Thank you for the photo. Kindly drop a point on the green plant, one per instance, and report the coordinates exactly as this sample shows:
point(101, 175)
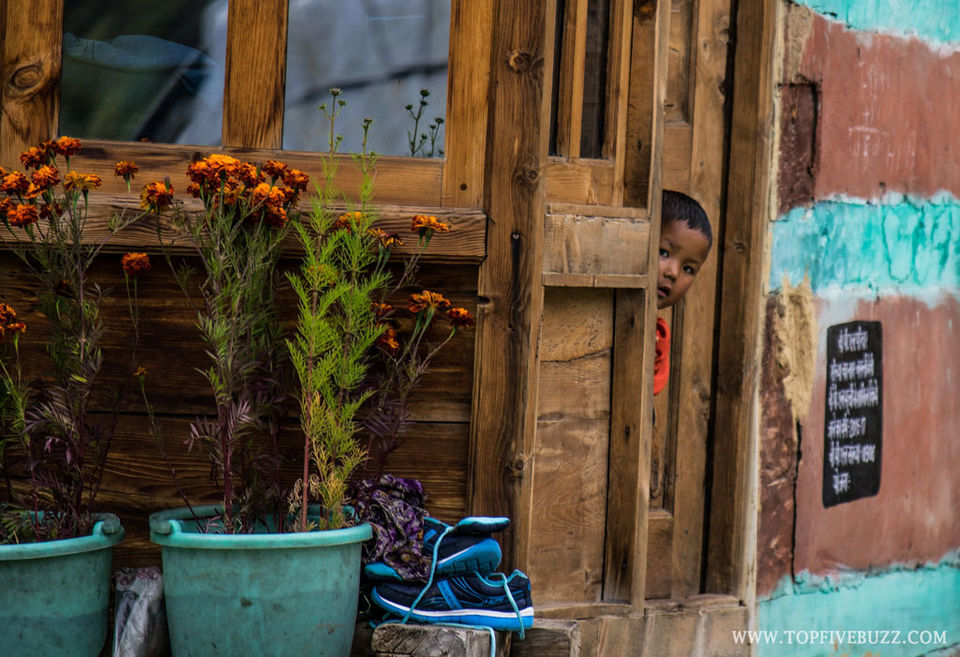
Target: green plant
point(423, 144)
point(47, 424)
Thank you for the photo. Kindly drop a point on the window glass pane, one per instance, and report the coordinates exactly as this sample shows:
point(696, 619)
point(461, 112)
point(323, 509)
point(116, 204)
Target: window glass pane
point(381, 54)
point(143, 70)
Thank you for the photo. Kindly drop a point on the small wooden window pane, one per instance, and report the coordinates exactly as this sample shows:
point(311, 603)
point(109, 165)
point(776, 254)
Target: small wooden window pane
point(557, 70)
point(143, 70)
point(595, 78)
point(381, 54)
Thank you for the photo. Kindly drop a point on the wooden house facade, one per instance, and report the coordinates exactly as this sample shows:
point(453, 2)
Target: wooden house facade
point(563, 121)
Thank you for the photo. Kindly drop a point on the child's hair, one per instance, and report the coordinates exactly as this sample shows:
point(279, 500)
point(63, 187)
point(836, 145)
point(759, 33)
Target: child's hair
point(680, 207)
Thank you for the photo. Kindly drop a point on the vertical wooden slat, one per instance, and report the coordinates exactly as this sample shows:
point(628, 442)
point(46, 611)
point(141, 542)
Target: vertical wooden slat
point(693, 333)
point(618, 90)
point(467, 93)
point(570, 97)
point(32, 47)
point(631, 420)
point(503, 421)
point(732, 509)
point(255, 70)
point(638, 145)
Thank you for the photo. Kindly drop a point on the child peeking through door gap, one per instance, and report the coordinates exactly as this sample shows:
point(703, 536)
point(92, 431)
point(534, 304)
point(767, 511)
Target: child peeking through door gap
point(685, 241)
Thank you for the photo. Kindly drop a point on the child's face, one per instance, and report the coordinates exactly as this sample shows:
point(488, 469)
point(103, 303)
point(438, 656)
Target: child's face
point(682, 252)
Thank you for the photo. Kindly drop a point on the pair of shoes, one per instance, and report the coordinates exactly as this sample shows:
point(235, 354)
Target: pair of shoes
point(459, 549)
point(496, 601)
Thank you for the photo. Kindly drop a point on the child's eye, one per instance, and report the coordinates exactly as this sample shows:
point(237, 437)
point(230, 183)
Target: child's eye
point(689, 270)
point(664, 253)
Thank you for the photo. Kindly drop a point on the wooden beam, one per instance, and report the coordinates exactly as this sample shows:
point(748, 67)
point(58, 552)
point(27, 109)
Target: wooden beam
point(631, 419)
point(618, 91)
point(613, 281)
point(570, 96)
point(255, 70)
point(467, 108)
point(691, 378)
point(585, 182)
point(31, 58)
point(505, 384)
point(639, 147)
point(741, 300)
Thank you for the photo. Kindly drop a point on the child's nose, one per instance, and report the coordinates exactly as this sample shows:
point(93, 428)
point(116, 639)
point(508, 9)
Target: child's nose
point(670, 269)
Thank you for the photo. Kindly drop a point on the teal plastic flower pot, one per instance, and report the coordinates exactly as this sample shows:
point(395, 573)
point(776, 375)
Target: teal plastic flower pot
point(54, 595)
point(257, 594)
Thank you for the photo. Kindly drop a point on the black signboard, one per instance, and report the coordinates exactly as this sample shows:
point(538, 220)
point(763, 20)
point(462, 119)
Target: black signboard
point(853, 428)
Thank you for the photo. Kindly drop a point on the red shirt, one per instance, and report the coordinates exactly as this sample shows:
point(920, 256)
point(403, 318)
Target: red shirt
point(661, 364)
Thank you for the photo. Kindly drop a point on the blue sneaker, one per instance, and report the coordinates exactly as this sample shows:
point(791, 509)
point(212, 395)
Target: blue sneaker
point(497, 601)
point(463, 548)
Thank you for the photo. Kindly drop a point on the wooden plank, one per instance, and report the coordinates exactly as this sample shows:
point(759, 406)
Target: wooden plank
point(693, 375)
point(733, 509)
point(613, 281)
point(610, 211)
point(467, 93)
point(595, 245)
point(567, 610)
point(659, 553)
point(642, 107)
point(679, 74)
point(399, 180)
point(618, 91)
point(31, 59)
point(505, 384)
point(677, 161)
point(570, 96)
point(587, 182)
point(465, 243)
point(254, 73)
point(631, 422)
point(573, 426)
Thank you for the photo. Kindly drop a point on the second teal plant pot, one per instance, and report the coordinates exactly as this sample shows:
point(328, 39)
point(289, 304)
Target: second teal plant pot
point(258, 594)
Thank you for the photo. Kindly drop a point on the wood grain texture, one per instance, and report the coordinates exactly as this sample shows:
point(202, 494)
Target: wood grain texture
point(254, 74)
point(31, 42)
point(732, 510)
point(575, 244)
point(619, 76)
point(642, 108)
point(679, 69)
point(586, 182)
point(505, 385)
point(573, 426)
point(692, 387)
point(570, 93)
point(467, 93)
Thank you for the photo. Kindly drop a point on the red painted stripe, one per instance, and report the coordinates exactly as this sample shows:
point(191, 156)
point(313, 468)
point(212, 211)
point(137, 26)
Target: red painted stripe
point(889, 117)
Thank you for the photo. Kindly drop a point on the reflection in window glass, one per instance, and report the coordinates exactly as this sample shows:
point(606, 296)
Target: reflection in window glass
point(381, 54)
point(143, 70)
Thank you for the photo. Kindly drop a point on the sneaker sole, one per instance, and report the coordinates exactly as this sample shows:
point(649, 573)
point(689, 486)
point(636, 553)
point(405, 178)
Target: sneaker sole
point(498, 620)
point(478, 558)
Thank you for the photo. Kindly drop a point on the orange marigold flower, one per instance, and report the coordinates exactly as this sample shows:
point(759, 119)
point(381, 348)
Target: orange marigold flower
point(50, 210)
point(33, 191)
point(427, 299)
point(197, 171)
point(82, 182)
point(22, 215)
point(65, 146)
point(276, 217)
point(16, 327)
point(381, 309)
point(7, 314)
point(126, 169)
point(35, 157)
point(388, 341)
point(268, 194)
point(296, 179)
point(424, 222)
point(249, 174)
point(275, 169)
point(193, 189)
point(156, 196)
point(135, 263)
point(385, 239)
point(46, 176)
point(14, 183)
point(219, 166)
point(460, 317)
point(347, 221)
point(140, 371)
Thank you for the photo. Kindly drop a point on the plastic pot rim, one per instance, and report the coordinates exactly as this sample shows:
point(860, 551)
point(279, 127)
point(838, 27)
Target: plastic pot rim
point(107, 532)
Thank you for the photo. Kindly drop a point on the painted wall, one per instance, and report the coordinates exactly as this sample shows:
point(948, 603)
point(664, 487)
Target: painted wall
point(867, 228)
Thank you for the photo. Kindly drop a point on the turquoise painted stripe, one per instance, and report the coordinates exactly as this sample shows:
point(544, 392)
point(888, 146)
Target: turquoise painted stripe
point(905, 247)
point(897, 601)
point(934, 20)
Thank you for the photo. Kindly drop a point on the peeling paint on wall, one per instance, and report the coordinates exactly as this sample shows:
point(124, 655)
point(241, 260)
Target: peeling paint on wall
point(797, 356)
point(936, 20)
point(898, 247)
point(897, 601)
